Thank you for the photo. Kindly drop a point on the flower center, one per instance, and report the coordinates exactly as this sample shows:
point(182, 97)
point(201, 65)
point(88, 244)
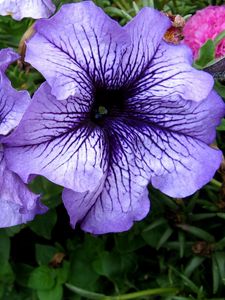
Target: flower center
point(108, 103)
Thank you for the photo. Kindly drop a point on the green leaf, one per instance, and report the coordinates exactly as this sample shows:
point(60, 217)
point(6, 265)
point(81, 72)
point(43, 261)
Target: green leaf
point(108, 264)
point(43, 224)
point(11, 231)
point(215, 275)
point(186, 280)
point(220, 89)
point(6, 274)
point(220, 259)
point(182, 240)
point(50, 192)
point(23, 273)
point(155, 224)
point(221, 215)
point(62, 272)
point(44, 253)
point(193, 264)
point(128, 242)
point(219, 38)
point(55, 293)
point(169, 202)
point(166, 235)
point(42, 278)
point(149, 3)
point(82, 273)
point(220, 244)
point(202, 216)
point(116, 12)
point(181, 298)
point(152, 237)
point(4, 250)
point(2, 289)
point(136, 8)
point(198, 232)
point(221, 127)
point(206, 54)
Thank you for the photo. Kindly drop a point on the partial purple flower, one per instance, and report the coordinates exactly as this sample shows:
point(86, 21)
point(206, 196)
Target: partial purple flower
point(132, 110)
point(17, 204)
point(20, 9)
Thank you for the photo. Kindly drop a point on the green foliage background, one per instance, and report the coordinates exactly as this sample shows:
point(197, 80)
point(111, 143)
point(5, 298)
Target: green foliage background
point(176, 253)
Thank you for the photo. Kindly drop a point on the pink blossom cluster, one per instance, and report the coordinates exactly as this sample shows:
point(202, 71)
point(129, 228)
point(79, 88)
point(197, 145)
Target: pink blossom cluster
point(205, 24)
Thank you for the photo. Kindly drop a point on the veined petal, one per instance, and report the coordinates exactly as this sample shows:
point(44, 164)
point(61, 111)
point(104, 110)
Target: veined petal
point(174, 158)
point(13, 103)
point(168, 158)
point(79, 204)
point(7, 56)
point(189, 118)
point(53, 140)
point(146, 31)
point(12, 106)
point(194, 165)
point(17, 204)
point(20, 9)
point(123, 198)
point(169, 74)
point(86, 47)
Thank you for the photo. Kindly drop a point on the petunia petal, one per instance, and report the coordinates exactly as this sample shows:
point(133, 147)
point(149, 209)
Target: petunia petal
point(20, 9)
point(86, 47)
point(12, 106)
point(169, 74)
point(189, 118)
point(146, 31)
point(17, 204)
point(79, 204)
point(7, 56)
point(13, 103)
point(172, 155)
point(170, 159)
point(53, 140)
point(123, 200)
point(194, 166)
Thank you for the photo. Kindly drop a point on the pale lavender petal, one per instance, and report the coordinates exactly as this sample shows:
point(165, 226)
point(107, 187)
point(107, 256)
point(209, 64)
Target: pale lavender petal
point(170, 140)
point(7, 56)
point(79, 204)
point(188, 163)
point(17, 204)
point(12, 106)
point(53, 140)
point(146, 31)
point(86, 48)
point(123, 199)
point(13, 103)
point(178, 158)
point(189, 118)
point(20, 9)
point(169, 74)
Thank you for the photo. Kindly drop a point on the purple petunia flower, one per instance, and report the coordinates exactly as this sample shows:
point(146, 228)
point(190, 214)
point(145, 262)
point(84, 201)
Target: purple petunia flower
point(132, 110)
point(17, 204)
point(20, 9)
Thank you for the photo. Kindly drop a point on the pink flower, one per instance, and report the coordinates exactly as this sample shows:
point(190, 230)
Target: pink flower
point(205, 24)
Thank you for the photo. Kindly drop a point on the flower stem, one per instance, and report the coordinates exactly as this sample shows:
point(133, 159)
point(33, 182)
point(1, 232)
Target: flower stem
point(149, 292)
